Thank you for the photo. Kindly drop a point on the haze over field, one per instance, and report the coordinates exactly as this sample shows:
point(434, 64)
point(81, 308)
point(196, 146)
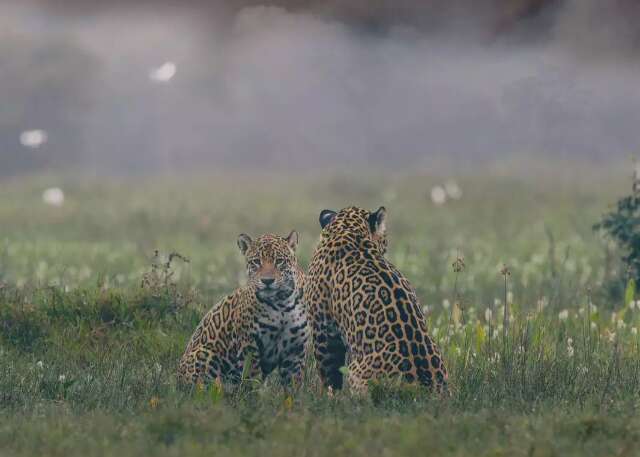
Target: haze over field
point(129, 87)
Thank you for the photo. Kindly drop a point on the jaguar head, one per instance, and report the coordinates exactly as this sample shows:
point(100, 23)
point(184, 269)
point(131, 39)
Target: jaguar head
point(368, 224)
point(271, 264)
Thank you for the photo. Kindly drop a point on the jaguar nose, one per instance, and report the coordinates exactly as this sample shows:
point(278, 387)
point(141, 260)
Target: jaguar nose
point(267, 281)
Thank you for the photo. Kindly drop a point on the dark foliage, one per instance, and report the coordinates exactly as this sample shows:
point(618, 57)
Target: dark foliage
point(623, 226)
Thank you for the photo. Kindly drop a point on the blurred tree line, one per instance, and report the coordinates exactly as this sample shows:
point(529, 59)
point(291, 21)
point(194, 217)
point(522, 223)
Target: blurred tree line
point(501, 14)
point(60, 86)
point(43, 84)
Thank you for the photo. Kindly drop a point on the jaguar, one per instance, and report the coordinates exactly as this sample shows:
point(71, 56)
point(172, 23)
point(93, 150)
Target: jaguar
point(264, 321)
point(363, 313)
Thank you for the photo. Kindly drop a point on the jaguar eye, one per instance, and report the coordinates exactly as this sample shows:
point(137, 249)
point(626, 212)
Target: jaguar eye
point(281, 263)
point(254, 264)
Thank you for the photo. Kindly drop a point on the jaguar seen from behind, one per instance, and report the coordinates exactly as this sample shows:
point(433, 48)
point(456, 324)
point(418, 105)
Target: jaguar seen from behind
point(362, 308)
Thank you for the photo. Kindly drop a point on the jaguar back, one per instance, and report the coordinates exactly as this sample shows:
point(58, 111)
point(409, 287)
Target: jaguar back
point(360, 305)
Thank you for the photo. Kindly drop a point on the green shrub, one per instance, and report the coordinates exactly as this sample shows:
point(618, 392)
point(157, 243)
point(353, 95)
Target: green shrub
point(622, 225)
point(22, 326)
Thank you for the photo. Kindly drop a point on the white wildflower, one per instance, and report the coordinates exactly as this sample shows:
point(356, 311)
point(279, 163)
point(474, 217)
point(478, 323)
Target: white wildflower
point(62, 378)
point(53, 196)
point(33, 138)
point(594, 326)
point(488, 314)
point(542, 303)
point(438, 196)
point(621, 324)
point(563, 315)
point(164, 73)
point(634, 331)
point(40, 364)
point(446, 304)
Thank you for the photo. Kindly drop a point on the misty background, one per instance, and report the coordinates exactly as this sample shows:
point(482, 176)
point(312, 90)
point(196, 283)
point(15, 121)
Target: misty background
point(139, 86)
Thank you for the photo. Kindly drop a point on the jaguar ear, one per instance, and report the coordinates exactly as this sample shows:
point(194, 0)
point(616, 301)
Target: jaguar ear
point(244, 241)
point(292, 240)
point(377, 221)
point(326, 217)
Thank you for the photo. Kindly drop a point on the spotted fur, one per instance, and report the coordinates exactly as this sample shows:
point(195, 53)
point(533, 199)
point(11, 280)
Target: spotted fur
point(361, 308)
point(266, 318)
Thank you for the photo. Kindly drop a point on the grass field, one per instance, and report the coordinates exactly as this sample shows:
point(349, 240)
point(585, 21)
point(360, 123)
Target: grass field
point(87, 355)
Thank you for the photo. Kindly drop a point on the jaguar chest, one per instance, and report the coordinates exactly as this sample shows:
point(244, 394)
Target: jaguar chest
point(272, 332)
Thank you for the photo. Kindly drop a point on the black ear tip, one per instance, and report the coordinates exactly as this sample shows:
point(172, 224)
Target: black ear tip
point(326, 217)
point(377, 220)
point(244, 241)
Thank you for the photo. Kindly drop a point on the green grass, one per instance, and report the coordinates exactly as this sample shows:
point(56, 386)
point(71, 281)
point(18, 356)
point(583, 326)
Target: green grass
point(88, 355)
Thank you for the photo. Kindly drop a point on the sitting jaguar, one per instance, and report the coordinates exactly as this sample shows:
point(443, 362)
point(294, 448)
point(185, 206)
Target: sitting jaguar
point(266, 318)
point(361, 306)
